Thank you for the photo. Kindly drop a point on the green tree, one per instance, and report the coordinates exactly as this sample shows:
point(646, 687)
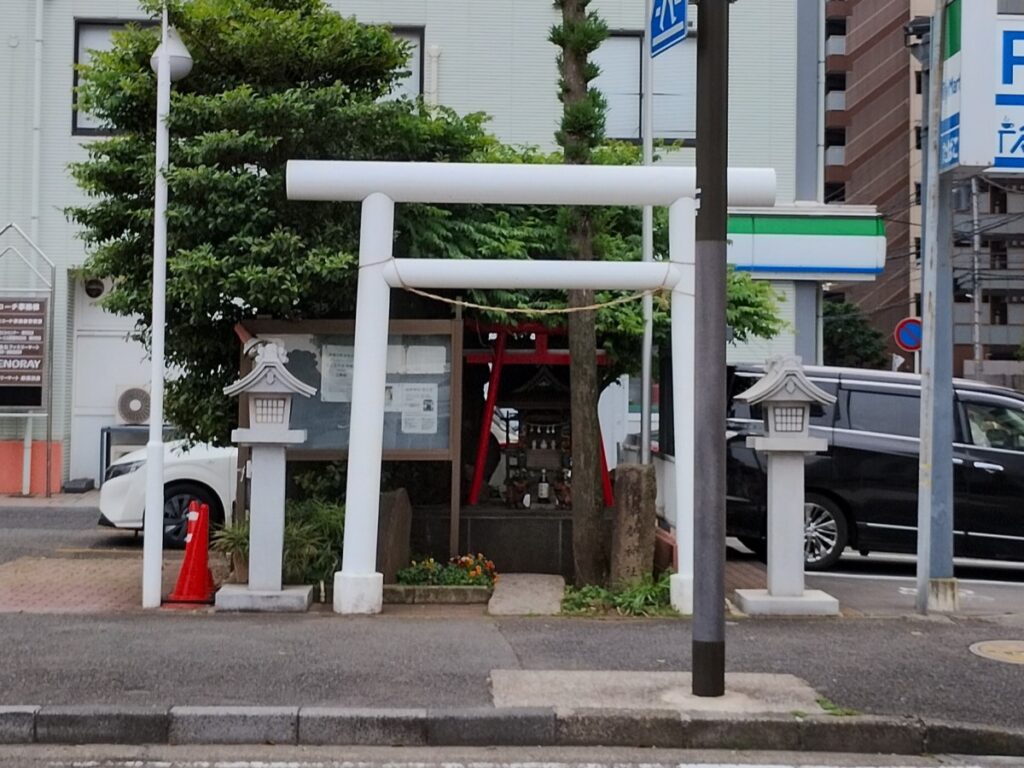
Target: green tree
point(849, 339)
point(272, 80)
point(281, 79)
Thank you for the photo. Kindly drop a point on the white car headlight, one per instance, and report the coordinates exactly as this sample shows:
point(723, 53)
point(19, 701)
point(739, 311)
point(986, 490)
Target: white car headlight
point(123, 469)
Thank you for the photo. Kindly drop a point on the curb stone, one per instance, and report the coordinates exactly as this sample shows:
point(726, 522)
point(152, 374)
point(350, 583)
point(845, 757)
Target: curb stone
point(234, 725)
point(619, 728)
point(363, 727)
point(755, 732)
point(99, 724)
point(863, 733)
point(487, 726)
point(971, 739)
point(18, 725)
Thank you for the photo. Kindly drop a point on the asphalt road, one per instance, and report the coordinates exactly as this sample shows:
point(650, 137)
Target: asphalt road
point(518, 757)
point(885, 666)
point(881, 666)
point(45, 532)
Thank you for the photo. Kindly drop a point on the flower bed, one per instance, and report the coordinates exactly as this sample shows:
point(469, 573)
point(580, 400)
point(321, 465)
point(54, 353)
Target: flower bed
point(462, 580)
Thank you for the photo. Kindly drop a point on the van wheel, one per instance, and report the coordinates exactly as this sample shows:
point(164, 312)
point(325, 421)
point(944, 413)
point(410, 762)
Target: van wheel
point(177, 499)
point(825, 532)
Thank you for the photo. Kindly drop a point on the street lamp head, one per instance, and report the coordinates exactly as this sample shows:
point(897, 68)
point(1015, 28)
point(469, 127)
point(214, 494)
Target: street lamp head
point(178, 55)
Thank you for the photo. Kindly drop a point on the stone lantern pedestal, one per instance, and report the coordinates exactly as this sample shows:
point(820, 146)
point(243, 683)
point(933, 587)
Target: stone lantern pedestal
point(270, 387)
point(786, 396)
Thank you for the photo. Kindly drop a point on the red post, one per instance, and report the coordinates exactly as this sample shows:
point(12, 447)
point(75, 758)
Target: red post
point(485, 426)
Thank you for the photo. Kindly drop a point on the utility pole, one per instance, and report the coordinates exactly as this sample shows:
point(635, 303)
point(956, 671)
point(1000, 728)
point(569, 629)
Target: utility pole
point(709, 376)
point(976, 278)
point(647, 135)
point(936, 587)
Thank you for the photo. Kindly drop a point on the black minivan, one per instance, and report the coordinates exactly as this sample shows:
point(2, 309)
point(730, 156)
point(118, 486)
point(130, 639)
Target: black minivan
point(862, 492)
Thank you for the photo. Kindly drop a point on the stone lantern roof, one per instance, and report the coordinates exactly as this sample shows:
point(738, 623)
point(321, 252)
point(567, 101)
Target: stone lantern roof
point(785, 381)
point(269, 375)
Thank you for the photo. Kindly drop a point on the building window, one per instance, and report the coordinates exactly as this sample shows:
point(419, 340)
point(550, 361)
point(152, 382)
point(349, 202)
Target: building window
point(917, 193)
point(997, 253)
point(91, 35)
point(917, 249)
point(996, 200)
point(1015, 7)
point(998, 310)
point(621, 84)
point(410, 86)
point(917, 136)
point(918, 82)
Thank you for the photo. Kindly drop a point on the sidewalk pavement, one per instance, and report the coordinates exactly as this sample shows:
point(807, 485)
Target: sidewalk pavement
point(82, 663)
point(57, 501)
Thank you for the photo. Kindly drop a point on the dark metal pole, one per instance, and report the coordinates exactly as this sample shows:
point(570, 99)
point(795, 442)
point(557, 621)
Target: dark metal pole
point(709, 377)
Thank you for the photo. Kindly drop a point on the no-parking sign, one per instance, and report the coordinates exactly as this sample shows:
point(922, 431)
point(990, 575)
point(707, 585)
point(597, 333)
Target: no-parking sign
point(908, 334)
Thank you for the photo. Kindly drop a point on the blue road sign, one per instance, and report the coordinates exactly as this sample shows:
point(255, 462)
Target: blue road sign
point(668, 24)
point(908, 334)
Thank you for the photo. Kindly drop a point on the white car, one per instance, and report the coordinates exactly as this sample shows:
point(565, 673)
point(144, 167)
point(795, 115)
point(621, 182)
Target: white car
point(202, 473)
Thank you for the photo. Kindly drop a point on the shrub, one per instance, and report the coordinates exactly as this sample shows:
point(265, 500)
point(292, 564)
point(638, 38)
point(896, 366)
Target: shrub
point(647, 597)
point(313, 535)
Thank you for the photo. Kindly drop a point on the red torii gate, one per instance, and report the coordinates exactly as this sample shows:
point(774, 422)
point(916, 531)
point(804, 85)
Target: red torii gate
point(541, 354)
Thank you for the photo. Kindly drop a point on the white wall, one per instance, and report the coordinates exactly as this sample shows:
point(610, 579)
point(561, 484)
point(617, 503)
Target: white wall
point(105, 358)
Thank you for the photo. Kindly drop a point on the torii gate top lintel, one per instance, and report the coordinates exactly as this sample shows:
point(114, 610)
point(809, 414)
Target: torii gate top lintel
point(515, 184)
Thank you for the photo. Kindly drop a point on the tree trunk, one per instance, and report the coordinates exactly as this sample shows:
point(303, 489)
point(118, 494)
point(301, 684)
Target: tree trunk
point(582, 128)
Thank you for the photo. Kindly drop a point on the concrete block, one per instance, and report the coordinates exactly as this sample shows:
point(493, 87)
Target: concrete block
point(527, 594)
point(358, 593)
point(491, 727)
point(18, 725)
point(862, 734)
point(234, 725)
point(967, 739)
point(813, 602)
point(619, 728)
point(746, 732)
point(370, 727)
point(238, 597)
point(101, 724)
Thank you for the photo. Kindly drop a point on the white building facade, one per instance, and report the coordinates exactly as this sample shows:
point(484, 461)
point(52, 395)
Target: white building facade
point(471, 56)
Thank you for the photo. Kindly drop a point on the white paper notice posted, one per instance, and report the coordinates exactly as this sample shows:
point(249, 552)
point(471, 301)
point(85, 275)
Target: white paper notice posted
point(424, 359)
point(336, 366)
point(392, 398)
point(419, 408)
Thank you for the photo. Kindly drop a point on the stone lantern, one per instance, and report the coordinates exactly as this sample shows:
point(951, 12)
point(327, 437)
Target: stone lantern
point(786, 395)
point(270, 388)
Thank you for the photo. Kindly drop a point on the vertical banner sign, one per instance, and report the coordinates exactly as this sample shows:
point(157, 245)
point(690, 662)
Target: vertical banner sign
point(22, 351)
point(982, 88)
point(668, 24)
point(952, 81)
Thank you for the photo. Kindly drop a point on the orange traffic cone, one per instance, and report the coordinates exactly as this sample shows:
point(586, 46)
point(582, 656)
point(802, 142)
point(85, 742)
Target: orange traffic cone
point(195, 582)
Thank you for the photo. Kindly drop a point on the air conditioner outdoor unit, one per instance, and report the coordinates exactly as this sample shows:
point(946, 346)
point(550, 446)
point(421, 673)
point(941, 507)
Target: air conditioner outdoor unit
point(132, 405)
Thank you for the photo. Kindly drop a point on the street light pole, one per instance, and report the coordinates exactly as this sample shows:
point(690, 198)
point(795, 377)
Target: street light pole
point(647, 135)
point(170, 61)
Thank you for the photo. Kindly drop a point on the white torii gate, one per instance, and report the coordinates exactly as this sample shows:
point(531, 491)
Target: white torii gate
point(358, 588)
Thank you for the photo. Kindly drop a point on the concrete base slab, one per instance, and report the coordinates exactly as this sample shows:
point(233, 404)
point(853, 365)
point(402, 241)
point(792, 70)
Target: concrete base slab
point(651, 691)
point(361, 593)
point(238, 597)
point(527, 594)
point(813, 602)
point(943, 596)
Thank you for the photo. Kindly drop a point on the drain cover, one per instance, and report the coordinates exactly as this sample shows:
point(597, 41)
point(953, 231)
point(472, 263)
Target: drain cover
point(1006, 651)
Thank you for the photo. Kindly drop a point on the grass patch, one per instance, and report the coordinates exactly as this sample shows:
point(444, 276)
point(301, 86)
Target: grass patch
point(835, 710)
point(647, 597)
